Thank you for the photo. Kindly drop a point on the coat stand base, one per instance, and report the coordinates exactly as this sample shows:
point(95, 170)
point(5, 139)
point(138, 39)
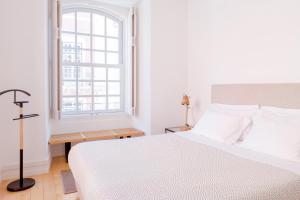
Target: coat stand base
point(18, 186)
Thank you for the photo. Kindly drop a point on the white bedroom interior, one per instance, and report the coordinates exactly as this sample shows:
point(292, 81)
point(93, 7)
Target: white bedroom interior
point(183, 47)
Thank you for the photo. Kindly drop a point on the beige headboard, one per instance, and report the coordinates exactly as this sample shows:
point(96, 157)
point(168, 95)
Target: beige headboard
point(280, 95)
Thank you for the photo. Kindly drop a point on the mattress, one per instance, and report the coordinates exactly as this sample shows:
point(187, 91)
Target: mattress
point(179, 167)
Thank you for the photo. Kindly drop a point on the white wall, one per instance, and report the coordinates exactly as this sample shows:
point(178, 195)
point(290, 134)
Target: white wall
point(168, 63)
point(241, 42)
point(162, 63)
point(79, 124)
point(118, 2)
point(142, 120)
point(23, 62)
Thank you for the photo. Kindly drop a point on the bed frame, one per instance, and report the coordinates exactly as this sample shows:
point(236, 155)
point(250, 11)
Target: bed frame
point(285, 95)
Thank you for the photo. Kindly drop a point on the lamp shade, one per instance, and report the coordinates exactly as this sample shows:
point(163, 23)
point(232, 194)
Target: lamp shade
point(185, 100)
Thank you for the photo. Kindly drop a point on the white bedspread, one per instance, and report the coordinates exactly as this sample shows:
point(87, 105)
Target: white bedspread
point(178, 167)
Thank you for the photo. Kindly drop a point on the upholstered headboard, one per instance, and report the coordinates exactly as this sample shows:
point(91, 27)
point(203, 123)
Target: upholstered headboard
point(280, 95)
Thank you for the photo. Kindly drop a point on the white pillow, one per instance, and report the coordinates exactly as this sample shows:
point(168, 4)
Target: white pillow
point(239, 110)
point(221, 127)
point(274, 135)
point(282, 112)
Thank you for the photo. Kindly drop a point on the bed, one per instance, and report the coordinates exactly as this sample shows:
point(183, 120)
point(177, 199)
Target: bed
point(184, 166)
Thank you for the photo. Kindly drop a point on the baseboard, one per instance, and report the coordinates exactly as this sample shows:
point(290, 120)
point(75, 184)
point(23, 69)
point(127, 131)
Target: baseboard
point(30, 169)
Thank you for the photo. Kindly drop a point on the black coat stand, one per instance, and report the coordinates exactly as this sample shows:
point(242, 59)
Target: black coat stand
point(22, 183)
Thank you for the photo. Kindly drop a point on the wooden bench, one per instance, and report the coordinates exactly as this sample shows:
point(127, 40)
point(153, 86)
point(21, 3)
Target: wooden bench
point(69, 138)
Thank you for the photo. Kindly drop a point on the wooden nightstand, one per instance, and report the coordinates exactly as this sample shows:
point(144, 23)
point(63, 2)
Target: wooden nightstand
point(177, 129)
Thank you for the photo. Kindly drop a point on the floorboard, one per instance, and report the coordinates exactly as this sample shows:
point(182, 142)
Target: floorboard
point(48, 186)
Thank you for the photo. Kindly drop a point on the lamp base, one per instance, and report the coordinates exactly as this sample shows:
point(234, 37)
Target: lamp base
point(16, 185)
point(185, 128)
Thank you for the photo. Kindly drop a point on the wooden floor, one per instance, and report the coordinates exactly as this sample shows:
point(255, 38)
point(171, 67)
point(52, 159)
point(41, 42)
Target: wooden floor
point(48, 186)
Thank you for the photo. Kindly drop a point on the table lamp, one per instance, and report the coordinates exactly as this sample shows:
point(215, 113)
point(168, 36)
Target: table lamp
point(186, 102)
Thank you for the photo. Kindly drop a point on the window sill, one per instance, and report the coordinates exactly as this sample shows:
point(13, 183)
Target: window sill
point(92, 117)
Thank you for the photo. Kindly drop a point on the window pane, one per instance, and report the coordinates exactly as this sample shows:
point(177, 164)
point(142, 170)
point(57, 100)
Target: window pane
point(99, 74)
point(85, 88)
point(98, 24)
point(99, 88)
point(114, 74)
point(83, 22)
point(68, 40)
point(83, 56)
point(69, 104)
point(83, 42)
point(69, 72)
point(112, 28)
point(112, 44)
point(85, 73)
point(98, 43)
point(99, 57)
point(100, 103)
point(112, 58)
point(69, 88)
point(84, 104)
point(93, 42)
point(114, 103)
point(68, 22)
point(69, 55)
point(114, 88)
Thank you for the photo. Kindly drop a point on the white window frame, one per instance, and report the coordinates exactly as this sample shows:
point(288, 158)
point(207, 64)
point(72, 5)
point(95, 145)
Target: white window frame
point(121, 65)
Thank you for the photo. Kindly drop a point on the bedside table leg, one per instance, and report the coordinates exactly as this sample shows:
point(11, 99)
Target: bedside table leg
point(68, 146)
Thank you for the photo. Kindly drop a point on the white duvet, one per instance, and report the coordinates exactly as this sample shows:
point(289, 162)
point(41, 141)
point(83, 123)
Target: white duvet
point(180, 166)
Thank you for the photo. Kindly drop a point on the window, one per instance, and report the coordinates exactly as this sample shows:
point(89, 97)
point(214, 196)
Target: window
point(92, 72)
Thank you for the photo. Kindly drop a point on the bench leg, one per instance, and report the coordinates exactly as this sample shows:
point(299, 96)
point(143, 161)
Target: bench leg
point(67, 150)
